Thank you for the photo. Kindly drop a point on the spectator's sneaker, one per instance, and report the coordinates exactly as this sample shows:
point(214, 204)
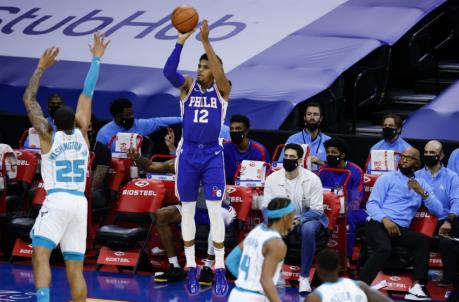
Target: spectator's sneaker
point(206, 276)
point(417, 292)
point(171, 275)
point(305, 286)
point(220, 284)
point(445, 283)
point(192, 284)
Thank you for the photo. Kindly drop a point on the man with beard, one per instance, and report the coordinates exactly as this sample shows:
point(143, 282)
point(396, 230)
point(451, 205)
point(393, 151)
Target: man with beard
point(311, 135)
point(124, 121)
point(395, 198)
point(392, 128)
point(445, 184)
point(241, 147)
point(337, 153)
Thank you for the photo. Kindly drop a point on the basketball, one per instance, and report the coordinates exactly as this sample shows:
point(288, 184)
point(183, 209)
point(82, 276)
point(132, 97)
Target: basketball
point(184, 18)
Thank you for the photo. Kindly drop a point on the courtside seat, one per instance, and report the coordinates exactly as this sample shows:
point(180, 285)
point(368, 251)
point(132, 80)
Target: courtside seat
point(133, 223)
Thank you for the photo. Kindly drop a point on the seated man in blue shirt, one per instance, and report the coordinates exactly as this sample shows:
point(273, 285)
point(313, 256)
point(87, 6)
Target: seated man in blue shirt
point(124, 121)
point(55, 101)
point(392, 128)
point(395, 198)
point(311, 135)
point(337, 152)
point(445, 184)
point(241, 147)
point(453, 162)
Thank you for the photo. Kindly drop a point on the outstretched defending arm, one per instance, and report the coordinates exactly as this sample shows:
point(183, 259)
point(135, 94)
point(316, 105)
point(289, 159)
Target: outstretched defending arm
point(34, 112)
point(216, 67)
point(83, 111)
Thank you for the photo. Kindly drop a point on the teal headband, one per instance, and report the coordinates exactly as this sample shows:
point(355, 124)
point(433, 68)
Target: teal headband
point(280, 212)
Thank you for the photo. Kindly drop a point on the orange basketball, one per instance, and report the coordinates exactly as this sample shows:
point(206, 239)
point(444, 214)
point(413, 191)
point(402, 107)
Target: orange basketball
point(184, 18)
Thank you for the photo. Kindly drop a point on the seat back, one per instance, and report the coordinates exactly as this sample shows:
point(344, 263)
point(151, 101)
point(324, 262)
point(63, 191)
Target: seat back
point(139, 200)
point(27, 165)
point(332, 206)
point(424, 222)
point(251, 173)
point(306, 161)
point(369, 181)
point(241, 200)
point(117, 174)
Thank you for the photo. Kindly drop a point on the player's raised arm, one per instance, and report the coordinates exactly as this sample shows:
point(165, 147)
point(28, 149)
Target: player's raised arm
point(34, 112)
point(216, 67)
point(170, 69)
point(83, 111)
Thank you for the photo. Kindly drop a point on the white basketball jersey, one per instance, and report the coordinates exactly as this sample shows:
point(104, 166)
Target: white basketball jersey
point(251, 263)
point(65, 166)
point(344, 290)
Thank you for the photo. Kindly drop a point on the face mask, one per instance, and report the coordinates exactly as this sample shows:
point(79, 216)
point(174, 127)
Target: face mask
point(408, 171)
point(333, 160)
point(389, 133)
point(290, 164)
point(52, 110)
point(312, 126)
point(431, 160)
point(237, 136)
point(127, 123)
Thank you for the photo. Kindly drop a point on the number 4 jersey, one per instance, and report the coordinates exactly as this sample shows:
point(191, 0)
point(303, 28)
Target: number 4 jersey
point(64, 167)
point(252, 259)
point(203, 114)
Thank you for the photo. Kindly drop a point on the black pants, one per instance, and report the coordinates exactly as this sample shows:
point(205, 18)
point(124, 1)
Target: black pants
point(449, 251)
point(378, 239)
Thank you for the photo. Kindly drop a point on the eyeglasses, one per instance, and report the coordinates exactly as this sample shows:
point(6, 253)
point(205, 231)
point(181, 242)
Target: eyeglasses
point(408, 157)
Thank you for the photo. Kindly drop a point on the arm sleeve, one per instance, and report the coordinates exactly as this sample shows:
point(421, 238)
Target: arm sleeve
point(170, 69)
point(151, 125)
point(91, 78)
point(432, 203)
point(233, 259)
point(376, 199)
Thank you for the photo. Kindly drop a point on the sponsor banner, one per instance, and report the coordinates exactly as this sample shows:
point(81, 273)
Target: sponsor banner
point(398, 283)
point(121, 258)
point(22, 249)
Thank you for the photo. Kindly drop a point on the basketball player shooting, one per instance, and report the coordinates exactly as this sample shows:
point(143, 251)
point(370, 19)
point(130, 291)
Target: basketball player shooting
point(63, 217)
point(203, 103)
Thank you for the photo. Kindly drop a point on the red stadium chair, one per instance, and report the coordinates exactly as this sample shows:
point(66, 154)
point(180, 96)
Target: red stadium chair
point(125, 246)
point(369, 181)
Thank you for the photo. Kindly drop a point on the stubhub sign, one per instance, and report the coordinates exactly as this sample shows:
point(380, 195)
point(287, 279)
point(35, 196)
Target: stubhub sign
point(141, 32)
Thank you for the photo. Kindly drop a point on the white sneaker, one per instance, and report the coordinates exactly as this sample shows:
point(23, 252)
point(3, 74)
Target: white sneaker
point(305, 287)
point(417, 292)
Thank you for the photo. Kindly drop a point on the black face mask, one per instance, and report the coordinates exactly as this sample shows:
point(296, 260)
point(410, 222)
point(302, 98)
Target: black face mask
point(333, 160)
point(312, 126)
point(389, 133)
point(127, 123)
point(237, 136)
point(431, 160)
point(52, 110)
point(290, 164)
point(408, 171)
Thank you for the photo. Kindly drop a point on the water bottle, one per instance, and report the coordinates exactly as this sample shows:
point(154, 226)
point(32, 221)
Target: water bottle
point(134, 171)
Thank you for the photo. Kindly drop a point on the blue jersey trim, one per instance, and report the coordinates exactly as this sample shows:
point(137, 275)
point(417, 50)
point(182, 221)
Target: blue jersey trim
point(43, 241)
point(248, 291)
point(73, 256)
point(73, 192)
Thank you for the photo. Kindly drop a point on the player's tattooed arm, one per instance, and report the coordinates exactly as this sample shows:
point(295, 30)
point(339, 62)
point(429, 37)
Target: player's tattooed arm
point(34, 112)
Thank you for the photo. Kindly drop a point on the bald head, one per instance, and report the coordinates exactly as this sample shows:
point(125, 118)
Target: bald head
point(413, 152)
point(433, 147)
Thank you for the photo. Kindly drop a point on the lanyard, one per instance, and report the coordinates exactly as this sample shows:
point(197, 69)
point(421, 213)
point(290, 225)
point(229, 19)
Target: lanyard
point(320, 140)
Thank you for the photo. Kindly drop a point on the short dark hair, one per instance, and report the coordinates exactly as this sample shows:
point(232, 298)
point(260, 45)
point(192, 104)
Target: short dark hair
point(339, 144)
point(55, 95)
point(118, 105)
point(64, 118)
point(239, 118)
point(313, 104)
point(328, 260)
point(397, 119)
point(275, 204)
point(299, 150)
point(205, 57)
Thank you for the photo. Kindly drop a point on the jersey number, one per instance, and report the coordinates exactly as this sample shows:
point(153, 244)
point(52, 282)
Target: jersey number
point(65, 167)
point(200, 116)
point(245, 264)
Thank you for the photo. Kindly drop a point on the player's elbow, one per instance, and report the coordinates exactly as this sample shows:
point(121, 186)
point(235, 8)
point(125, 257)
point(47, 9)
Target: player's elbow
point(266, 282)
